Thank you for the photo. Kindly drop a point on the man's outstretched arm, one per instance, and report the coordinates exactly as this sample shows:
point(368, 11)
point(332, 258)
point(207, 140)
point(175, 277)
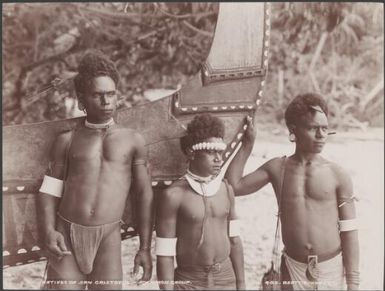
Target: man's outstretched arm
point(348, 230)
point(235, 170)
point(142, 187)
point(255, 180)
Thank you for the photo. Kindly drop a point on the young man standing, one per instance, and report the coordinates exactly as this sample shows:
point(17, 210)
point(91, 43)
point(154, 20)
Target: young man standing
point(83, 196)
point(196, 219)
point(315, 199)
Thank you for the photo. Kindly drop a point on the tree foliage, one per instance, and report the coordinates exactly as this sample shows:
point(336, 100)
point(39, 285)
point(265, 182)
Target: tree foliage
point(154, 45)
point(333, 48)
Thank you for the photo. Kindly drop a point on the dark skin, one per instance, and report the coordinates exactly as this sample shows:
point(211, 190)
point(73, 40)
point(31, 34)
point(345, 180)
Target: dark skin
point(313, 187)
point(96, 188)
point(180, 215)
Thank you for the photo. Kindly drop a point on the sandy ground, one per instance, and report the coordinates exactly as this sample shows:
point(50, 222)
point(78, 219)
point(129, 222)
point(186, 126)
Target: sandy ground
point(361, 153)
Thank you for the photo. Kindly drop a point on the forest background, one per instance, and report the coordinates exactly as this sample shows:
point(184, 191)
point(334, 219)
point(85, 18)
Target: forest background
point(332, 48)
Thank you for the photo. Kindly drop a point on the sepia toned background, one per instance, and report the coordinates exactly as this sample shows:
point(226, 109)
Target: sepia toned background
point(332, 48)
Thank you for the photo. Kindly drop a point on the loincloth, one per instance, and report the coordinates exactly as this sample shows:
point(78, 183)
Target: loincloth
point(219, 276)
point(86, 240)
point(330, 274)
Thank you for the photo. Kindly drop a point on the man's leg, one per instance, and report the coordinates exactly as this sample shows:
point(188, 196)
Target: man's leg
point(285, 276)
point(64, 274)
point(190, 279)
point(107, 273)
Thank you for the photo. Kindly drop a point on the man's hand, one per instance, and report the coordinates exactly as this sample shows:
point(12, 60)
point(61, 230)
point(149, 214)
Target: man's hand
point(143, 258)
point(250, 134)
point(55, 245)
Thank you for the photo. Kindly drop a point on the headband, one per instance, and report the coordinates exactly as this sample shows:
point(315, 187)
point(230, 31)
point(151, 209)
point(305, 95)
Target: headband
point(219, 146)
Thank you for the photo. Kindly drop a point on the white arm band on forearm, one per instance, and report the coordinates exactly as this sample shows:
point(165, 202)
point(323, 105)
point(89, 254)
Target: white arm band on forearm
point(165, 246)
point(348, 225)
point(234, 228)
point(52, 186)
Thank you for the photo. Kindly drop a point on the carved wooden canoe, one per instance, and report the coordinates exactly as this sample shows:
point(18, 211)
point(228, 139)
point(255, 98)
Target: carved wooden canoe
point(229, 85)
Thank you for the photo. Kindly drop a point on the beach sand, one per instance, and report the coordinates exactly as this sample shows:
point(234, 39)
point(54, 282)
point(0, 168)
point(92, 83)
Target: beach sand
point(361, 153)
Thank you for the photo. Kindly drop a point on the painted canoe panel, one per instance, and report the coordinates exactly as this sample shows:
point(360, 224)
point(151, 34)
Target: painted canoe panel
point(229, 85)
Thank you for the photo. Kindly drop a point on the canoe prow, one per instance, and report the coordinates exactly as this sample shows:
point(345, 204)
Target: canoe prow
point(229, 85)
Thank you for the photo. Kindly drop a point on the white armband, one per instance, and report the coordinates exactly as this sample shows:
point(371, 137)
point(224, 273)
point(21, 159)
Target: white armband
point(52, 186)
point(348, 225)
point(235, 228)
point(165, 246)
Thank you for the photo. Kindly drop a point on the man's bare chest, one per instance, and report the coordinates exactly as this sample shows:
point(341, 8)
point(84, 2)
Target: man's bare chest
point(100, 146)
point(309, 183)
point(195, 207)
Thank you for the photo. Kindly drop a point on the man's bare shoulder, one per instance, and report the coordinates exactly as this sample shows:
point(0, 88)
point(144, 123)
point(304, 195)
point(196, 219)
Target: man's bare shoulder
point(64, 136)
point(129, 134)
point(339, 172)
point(61, 142)
point(276, 161)
point(274, 165)
point(174, 193)
point(177, 188)
point(123, 130)
point(333, 166)
point(342, 177)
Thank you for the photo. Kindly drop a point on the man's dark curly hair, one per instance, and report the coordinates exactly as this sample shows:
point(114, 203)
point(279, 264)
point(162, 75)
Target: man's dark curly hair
point(302, 105)
point(203, 126)
point(94, 64)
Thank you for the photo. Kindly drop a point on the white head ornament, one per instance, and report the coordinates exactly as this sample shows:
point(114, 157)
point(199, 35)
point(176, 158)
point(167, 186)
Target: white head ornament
point(218, 146)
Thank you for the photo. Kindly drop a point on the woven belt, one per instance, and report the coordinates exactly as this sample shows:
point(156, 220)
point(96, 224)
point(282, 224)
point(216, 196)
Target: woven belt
point(320, 258)
point(205, 268)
